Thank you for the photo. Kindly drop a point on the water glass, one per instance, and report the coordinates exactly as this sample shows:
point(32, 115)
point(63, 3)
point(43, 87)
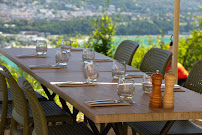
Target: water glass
point(88, 55)
point(61, 58)
point(91, 72)
point(41, 47)
point(126, 89)
point(147, 82)
point(118, 69)
point(66, 45)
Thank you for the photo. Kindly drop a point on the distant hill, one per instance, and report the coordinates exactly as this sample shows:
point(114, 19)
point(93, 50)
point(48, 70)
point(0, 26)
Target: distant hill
point(143, 5)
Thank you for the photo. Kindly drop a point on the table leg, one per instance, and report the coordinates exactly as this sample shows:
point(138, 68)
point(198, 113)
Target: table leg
point(50, 97)
point(85, 119)
point(166, 128)
point(106, 129)
point(93, 127)
point(75, 112)
point(118, 128)
point(102, 126)
point(64, 106)
point(125, 128)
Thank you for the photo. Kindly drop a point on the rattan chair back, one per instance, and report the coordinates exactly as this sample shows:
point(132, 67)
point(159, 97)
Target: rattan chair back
point(40, 124)
point(126, 51)
point(20, 113)
point(4, 98)
point(194, 80)
point(155, 59)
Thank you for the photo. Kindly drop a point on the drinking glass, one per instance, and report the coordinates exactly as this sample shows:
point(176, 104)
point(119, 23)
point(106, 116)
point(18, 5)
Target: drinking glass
point(66, 45)
point(41, 47)
point(88, 55)
point(91, 72)
point(118, 69)
point(147, 82)
point(126, 89)
point(61, 58)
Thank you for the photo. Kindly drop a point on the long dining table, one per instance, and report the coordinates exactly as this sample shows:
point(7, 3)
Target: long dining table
point(187, 104)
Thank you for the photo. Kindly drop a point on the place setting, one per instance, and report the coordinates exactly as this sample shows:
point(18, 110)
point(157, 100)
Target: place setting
point(90, 74)
point(41, 50)
point(147, 84)
point(61, 58)
point(88, 55)
point(119, 69)
point(125, 91)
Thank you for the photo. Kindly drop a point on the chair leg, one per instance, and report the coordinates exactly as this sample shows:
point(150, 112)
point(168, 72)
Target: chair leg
point(2, 127)
point(26, 129)
point(13, 129)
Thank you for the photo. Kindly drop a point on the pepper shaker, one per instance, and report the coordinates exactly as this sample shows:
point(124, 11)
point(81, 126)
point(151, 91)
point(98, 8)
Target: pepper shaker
point(168, 98)
point(156, 97)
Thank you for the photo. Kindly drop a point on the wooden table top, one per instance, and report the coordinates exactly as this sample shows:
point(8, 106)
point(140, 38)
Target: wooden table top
point(187, 104)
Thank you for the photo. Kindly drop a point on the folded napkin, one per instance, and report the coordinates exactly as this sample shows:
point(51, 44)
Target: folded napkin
point(43, 67)
point(103, 60)
point(100, 104)
point(133, 76)
point(76, 49)
point(74, 84)
point(31, 56)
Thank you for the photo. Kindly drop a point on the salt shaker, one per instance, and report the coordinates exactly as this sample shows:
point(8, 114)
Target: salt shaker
point(168, 98)
point(156, 97)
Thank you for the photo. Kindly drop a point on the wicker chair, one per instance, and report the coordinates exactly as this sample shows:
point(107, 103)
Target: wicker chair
point(21, 113)
point(5, 108)
point(154, 127)
point(155, 59)
point(10, 98)
point(194, 82)
point(126, 51)
point(40, 123)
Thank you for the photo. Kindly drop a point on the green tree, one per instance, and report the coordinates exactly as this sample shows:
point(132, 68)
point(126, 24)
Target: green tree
point(103, 30)
point(190, 49)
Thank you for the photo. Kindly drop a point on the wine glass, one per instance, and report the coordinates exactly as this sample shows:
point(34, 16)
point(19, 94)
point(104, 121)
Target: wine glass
point(126, 89)
point(88, 55)
point(41, 47)
point(66, 45)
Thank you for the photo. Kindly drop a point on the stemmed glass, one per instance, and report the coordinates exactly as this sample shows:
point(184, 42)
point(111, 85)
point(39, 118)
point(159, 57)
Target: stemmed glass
point(126, 89)
point(41, 47)
point(88, 55)
point(66, 45)
point(91, 72)
point(118, 69)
